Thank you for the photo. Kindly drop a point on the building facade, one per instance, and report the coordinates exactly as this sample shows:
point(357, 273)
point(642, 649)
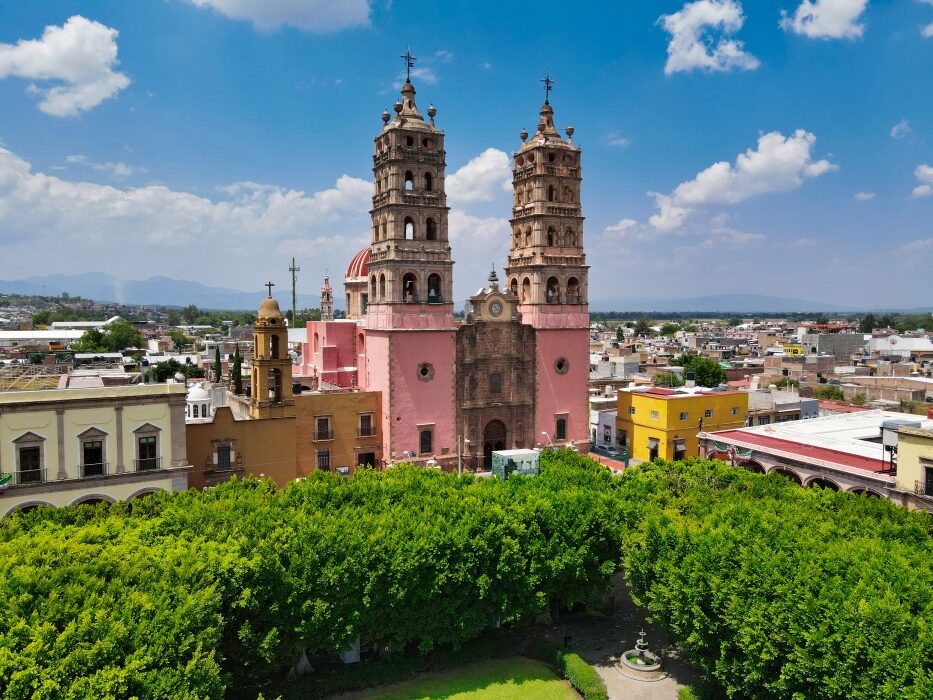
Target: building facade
point(71, 446)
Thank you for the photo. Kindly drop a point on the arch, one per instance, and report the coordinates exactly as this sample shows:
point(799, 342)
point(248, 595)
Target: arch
point(788, 474)
point(513, 286)
point(552, 291)
point(428, 182)
point(27, 506)
point(409, 229)
point(551, 193)
point(315, 345)
point(526, 290)
point(495, 435)
point(409, 181)
point(528, 236)
point(360, 343)
point(382, 287)
point(92, 499)
point(550, 235)
point(430, 229)
point(275, 346)
point(570, 237)
point(865, 492)
point(142, 493)
point(275, 384)
point(410, 288)
point(434, 289)
point(822, 483)
point(517, 238)
point(372, 288)
point(754, 467)
point(196, 410)
point(573, 291)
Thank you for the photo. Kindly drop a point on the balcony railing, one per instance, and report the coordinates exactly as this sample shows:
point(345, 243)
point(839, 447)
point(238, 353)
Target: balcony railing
point(147, 464)
point(923, 488)
point(98, 469)
point(29, 476)
point(323, 434)
point(367, 432)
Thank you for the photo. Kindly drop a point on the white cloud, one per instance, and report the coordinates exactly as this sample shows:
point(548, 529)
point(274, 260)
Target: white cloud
point(470, 234)
point(924, 173)
point(622, 226)
point(778, 164)
point(927, 31)
point(700, 34)
point(308, 15)
point(918, 247)
point(614, 139)
point(826, 19)
point(118, 169)
point(901, 129)
point(487, 175)
point(79, 220)
point(81, 54)
point(804, 243)
point(865, 196)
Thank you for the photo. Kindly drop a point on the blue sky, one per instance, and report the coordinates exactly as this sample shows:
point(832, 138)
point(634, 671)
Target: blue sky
point(777, 147)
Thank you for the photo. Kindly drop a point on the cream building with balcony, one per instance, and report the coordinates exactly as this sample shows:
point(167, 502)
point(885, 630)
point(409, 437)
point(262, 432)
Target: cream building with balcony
point(70, 446)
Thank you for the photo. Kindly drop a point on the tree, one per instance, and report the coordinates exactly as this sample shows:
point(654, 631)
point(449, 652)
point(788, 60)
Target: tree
point(179, 339)
point(828, 392)
point(642, 329)
point(166, 370)
point(706, 372)
point(620, 333)
point(190, 313)
point(867, 324)
point(786, 382)
point(236, 373)
point(218, 367)
point(120, 335)
point(734, 321)
point(668, 379)
point(172, 318)
point(859, 399)
point(669, 329)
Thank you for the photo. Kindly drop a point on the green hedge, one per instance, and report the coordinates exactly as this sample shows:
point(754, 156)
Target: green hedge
point(581, 675)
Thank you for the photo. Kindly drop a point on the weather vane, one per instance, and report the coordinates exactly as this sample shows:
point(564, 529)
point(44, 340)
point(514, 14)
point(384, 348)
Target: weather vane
point(548, 84)
point(409, 63)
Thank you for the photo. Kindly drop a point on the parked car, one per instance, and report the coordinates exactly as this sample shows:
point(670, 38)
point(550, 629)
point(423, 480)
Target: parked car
point(608, 450)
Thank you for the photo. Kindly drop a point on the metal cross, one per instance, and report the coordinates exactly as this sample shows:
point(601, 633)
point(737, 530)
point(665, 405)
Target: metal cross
point(270, 285)
point(548, 83)
point(409, 63)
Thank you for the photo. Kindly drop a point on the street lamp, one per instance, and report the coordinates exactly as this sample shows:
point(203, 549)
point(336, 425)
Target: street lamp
point(461, 441)
point(544, 433)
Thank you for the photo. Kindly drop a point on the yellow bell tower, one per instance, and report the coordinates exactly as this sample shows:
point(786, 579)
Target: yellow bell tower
point(271, 386)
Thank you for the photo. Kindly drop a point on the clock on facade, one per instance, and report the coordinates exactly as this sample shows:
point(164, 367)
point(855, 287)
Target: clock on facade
point(495, 308)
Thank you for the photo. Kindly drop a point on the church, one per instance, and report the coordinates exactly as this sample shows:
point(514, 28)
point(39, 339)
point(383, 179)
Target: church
point(513, 372)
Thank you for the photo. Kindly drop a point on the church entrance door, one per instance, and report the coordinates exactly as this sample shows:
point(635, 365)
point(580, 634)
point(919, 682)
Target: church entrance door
point(493, 439)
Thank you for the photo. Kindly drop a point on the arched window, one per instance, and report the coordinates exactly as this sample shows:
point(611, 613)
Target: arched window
point(550, 193)
point(361, 343)
point(372, 287)
point(570, 237)
point(314, 345)
point(430, 230)
point(552, 294)
point(382, 287)
point(196, 410)
point(428, 182)
point(275, 384)
point(526, 289)
point(385, 230)
point(364, 302)
point(513, 286)
point(409, 180)
point(409, 229)
point(517, 238)
point(410, 288)
point(528, 236)
point(550, 235)
point(434, 289)
point(275, 347)
point(495, 383)
point(573, 291)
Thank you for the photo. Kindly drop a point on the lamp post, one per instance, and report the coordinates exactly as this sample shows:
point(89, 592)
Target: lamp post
point(461, 441)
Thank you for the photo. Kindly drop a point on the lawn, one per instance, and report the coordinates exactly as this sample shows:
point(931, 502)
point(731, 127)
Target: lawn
point(499, 679)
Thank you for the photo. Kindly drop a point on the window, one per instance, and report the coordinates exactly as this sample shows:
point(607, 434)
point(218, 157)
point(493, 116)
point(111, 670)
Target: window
point(655, 415)
point(562, 365)
point(426, 442)
point(735, 411)
point(684, 415)
point(322, 430)
point(708, 413)
point(434, 289)
point(367, 429)
point(428, 182)
point(631, 410)
point(223, 457)
point(409, 180)
point(92, 455)
point(323, 460)
point(928, 483)
point(430, 230)
point(30, 465)
point(495, 383)
point(622, 438)
point(607, 433)
point(764, 420)
point(146, 448)
point(410, 288)
point(197, 410)
point(560, 430)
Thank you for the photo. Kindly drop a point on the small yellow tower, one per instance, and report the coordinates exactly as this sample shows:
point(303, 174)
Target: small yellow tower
point(271, 387)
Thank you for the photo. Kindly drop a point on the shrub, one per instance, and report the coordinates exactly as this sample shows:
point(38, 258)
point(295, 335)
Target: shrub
point(581, 675)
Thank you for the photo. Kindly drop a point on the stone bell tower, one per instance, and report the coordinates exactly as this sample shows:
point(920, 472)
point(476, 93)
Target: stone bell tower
point(410, 268)
point(547, 271)
point(271, 378)
point(327, 300)
point(407, 348)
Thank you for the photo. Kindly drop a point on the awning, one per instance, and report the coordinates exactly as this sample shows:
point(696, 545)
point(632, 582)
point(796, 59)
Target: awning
point(680, 444)
point(653, 442)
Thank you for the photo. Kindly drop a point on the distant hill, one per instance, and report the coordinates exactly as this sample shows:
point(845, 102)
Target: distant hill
point(723, 303)
point(155, 291)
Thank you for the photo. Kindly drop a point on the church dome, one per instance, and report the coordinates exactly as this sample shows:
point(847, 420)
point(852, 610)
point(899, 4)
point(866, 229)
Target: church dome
point(359, 265)
point(269, 310)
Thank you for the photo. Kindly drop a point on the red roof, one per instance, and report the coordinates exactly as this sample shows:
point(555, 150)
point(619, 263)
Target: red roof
point(845, 459)
point(359, 266)
point(658, 391)
point(840, 407)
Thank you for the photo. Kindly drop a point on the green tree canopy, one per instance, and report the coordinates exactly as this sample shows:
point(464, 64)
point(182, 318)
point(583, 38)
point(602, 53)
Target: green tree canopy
point(669, 329)
point(706, 372)
point(642, 328)
point(668, 379)
point(115, 337)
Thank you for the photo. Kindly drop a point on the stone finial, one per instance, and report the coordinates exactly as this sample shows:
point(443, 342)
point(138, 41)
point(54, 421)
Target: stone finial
point(569, 131)
point(397, 106)
point(493, 277)
point(432, 111)
point(385, 116)
point(523, 135)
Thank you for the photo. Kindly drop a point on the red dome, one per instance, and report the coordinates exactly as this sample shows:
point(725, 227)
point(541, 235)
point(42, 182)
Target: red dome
point(359, 266)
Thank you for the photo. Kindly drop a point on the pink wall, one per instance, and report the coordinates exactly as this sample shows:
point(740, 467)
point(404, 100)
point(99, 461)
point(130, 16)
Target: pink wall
point(563, 393)
point(331, 358)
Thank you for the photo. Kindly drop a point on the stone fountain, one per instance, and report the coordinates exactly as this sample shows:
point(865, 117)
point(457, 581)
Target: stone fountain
point(640, 663)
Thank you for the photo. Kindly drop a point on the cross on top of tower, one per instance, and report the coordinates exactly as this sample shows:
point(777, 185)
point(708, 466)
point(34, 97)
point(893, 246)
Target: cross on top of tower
point(548, 84)
point(270, 285)
point(409, 64)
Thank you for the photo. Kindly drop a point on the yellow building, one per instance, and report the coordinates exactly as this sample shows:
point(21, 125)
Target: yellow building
point(71, 446)
point(915, 466)
point(664, 423)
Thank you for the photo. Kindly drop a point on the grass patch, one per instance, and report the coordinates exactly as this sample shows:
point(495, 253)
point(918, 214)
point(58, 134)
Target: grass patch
point(498, 679)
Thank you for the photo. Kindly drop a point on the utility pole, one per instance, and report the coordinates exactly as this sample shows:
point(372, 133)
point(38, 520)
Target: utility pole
point(293, 269)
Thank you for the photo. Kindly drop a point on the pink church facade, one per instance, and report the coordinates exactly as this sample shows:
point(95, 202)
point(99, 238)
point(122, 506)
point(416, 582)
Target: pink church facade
point(514, 372)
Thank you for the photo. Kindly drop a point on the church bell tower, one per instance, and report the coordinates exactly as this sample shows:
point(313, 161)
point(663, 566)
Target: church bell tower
point(271, 378)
